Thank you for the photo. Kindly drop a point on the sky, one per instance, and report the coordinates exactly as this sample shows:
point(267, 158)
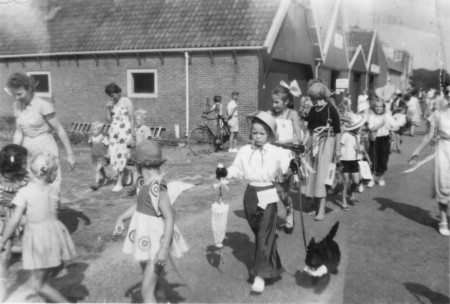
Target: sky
point(421, 27)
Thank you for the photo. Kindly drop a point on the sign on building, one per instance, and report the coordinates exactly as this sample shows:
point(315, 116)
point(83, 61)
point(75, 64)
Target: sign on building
point(375, 68)
point(342, 83)
point(338, 41)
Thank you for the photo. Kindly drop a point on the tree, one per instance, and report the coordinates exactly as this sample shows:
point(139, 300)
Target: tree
point(427, 79)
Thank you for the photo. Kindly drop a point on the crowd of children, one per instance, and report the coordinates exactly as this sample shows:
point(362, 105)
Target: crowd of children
point(333, 135)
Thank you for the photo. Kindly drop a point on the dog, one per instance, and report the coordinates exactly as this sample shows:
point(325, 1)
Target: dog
point(323, 258)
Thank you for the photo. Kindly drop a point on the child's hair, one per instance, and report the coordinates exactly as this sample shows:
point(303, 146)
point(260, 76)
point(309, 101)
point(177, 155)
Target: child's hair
point(234, 94)
point(96, 127)
point(374, 101)
point(285, 95)
point(12, 158)
point(217, 98)
point(44, 166)
point(141, 113)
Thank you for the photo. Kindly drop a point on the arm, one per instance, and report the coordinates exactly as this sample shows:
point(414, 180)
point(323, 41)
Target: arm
point(12, 224)
point(122, 218)
point(337, 148)
point(18, 136)
point(54, 122)
point(167, 213)
point(109, 107)
point(426, 139)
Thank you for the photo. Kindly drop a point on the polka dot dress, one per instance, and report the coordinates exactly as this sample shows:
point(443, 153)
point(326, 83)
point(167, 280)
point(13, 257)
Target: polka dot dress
point(119, 136)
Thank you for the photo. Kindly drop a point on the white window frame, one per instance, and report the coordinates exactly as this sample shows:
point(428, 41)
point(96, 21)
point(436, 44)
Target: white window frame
point(49, 76)
point(130, 83)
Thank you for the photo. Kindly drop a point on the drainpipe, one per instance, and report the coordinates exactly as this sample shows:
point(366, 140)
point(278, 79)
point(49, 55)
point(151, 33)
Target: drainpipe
point(186, 56)
point(317, 67)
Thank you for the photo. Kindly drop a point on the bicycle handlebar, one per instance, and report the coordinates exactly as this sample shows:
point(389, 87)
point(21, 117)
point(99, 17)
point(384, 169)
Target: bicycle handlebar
point(297, 148)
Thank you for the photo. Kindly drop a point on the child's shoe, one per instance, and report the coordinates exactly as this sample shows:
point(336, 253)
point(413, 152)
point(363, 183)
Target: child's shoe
point(381, 182)
point(443, 229)
point(117, 188)
point(258, 285)
point(371, 184)
point(360, 188)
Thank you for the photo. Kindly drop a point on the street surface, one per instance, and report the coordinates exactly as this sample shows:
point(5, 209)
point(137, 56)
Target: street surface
point(391, 250)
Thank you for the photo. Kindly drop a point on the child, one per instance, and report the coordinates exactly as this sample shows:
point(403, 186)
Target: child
point(152, 238)
point(99, 150)
point(288, 131)
point(233, 122)
point(143, 133)
point(260, 163)
point(46, 241)
point(397, 126)
point(351, 145)
point(13, 163)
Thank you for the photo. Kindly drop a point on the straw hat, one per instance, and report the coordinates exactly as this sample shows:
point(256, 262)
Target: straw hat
point(355, 122)
point(148, 153)
point(266, 118)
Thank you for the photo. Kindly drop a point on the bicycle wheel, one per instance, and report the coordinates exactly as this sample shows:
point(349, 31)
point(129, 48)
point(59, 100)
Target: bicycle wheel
point(200, 141)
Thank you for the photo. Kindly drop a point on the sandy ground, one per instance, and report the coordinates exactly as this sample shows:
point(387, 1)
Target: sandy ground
point(391, 250)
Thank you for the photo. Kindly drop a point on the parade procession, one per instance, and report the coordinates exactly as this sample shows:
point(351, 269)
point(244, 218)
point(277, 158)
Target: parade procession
point(224, 151)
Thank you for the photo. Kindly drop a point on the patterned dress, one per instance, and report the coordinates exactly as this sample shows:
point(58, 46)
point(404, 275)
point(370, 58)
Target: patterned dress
point(119, 135)
point(36, 131)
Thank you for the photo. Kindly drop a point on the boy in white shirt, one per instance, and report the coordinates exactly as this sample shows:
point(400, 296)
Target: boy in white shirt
point(233, 121)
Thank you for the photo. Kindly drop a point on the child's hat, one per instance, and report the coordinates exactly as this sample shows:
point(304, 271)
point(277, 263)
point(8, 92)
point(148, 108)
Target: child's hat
point(148, 153)
point(355, 121)
point(12, 157)
point(266, 118)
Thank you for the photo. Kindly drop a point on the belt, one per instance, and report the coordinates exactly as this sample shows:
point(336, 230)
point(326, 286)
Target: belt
point(260, 184)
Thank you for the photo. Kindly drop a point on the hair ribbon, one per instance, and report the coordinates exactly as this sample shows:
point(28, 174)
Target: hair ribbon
point(293, 87)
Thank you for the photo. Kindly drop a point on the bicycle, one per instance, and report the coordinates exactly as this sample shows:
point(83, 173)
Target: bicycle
point(202, 140)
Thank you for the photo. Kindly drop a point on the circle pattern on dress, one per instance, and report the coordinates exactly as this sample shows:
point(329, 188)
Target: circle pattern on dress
point(144, 243)
point(132, 235)
point(154, 188)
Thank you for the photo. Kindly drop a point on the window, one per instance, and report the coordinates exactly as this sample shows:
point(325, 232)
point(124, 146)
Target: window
point(142, 83)
point(44, 84)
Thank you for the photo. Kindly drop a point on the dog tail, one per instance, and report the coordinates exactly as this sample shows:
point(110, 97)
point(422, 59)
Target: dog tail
point(333, 231)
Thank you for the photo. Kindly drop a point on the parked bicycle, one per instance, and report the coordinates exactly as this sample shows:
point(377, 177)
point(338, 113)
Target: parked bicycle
point(202, 140)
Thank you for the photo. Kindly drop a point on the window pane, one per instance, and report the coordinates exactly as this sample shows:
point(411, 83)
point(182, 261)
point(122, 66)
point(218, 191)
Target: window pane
point(42, 83)
point(144, 83)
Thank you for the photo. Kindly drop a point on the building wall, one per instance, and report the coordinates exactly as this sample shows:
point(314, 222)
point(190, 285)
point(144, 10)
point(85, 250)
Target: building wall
point(78, 89)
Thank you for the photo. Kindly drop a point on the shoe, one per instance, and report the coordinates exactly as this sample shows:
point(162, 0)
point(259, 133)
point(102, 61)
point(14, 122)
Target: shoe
point(96, 186)
point(381, 182)
point(289, 220)
point(117, 188)
point(345, 208)
point(258, 285)
point(361, 188)
point(132, 191)
point(370, 184)
point(443, 229)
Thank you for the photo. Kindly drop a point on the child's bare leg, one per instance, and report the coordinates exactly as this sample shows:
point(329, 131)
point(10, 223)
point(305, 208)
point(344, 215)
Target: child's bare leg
point(232, 140)
point(98, 172)
point(321, 212)
point(39, 282)
point(149, 282)
point(355, 184)
point(344, 192)
point(5, 258)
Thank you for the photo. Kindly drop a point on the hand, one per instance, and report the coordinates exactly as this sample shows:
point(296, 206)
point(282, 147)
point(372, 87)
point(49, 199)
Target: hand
point(413, 159)
point(71, 160)
point(109, 105)
point(119, 228)
point(161, 259)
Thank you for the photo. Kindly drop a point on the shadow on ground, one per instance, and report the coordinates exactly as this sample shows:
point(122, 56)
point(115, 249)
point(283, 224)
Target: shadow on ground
point(71, 218)
point(424, 294)
point(410, 212)
point(242, 247)
point(306, 281)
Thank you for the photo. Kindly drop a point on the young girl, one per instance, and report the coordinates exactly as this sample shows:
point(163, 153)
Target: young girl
point(260, 163)
point(99, 150)
point(288, 131)
point(152, 237)
point(143, 133)
point(46, 241)
point(379, 141)
point(397, 125)
point(351, 145)
point(13, 163)
point(233, 121)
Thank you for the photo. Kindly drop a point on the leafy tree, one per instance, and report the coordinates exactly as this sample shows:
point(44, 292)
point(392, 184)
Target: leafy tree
point(427, 79)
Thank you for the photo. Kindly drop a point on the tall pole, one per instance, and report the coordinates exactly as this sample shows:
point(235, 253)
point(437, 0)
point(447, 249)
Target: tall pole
point(186, 56)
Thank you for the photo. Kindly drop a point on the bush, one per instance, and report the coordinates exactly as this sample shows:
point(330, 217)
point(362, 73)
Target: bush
point(77, 138)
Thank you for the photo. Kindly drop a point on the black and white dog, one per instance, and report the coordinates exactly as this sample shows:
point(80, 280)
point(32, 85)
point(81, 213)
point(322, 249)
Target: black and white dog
point(323, 258)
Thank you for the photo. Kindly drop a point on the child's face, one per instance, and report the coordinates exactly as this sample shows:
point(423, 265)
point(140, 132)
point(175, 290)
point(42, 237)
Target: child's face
point(138, 120)
point(378, 108)
point(278, 104)
point(259, 134)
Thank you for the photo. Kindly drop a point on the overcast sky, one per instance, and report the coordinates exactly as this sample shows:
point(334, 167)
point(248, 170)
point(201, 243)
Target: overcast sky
point(421, 27)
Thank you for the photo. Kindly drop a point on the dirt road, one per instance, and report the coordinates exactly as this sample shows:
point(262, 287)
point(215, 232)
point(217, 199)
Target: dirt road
point(391, 250)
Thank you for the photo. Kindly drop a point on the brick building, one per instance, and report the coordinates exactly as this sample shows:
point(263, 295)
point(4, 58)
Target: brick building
point(168, 56)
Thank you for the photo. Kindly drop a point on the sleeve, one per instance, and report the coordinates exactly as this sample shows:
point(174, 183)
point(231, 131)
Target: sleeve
point(335, 120)
point(147, 132)
point(46, 107)
point(236, 170)
point(20, 200)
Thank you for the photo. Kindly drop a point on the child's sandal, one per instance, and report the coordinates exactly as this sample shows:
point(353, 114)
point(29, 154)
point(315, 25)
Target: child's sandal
point(443, 229)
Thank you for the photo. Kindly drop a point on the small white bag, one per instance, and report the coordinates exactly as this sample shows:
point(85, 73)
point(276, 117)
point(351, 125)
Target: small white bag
point(331, 174)
point(364, 170)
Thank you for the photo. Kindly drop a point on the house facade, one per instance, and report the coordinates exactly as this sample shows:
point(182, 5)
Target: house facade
point(169, 57)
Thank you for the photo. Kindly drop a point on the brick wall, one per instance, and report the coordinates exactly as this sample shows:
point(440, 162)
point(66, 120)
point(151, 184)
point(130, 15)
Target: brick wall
point(78, 86)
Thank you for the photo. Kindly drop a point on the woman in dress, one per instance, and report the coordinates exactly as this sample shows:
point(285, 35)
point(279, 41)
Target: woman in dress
point(440, 128)
point(35, 119)
point(120, 113)
point(324, 138)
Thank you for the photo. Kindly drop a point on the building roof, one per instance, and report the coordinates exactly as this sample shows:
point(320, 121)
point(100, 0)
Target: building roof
point(355, 37)
point(77, 26)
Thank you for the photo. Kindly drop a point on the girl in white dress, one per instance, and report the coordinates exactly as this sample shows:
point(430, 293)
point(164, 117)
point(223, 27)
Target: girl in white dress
point(46, 241)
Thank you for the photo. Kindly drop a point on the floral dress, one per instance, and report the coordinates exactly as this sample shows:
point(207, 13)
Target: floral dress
point(119, 136)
